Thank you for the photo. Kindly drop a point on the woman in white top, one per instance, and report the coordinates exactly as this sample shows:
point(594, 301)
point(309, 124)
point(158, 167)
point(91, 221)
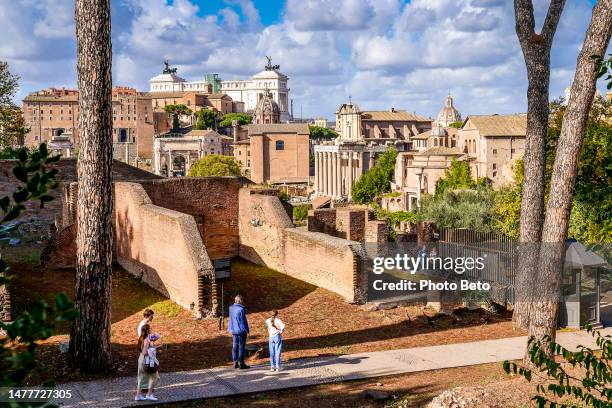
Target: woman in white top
point(275, 329)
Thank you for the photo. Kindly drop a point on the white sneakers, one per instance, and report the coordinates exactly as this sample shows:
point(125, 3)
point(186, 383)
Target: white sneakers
point(145, 398)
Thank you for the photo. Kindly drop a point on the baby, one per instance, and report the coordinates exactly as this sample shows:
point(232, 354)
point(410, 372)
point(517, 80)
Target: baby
point(152, 350)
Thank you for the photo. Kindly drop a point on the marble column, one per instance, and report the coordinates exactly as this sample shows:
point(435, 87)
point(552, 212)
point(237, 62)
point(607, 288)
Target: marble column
point(349, 176)
point(339, 174)
point(317, 173)
point(170, 164)
point(326, 173)
point(334, 173)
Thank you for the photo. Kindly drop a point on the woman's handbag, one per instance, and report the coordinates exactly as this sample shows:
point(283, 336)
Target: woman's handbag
point(150, 369)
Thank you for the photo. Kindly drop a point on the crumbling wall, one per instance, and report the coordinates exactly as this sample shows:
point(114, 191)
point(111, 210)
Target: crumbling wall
point(213, 203)
point(163, 247)
point(267, 237)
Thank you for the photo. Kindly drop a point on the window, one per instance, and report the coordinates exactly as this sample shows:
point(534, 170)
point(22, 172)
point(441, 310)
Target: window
point(494, 174)
point(494, 151)
point(280, 145)
point(494, 166)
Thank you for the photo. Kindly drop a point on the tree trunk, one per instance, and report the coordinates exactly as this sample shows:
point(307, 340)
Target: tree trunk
point(90, 347)
point(536, 51)
point(544, 321)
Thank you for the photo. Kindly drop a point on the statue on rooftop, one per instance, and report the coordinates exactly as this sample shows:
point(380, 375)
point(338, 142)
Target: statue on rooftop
point(168, 70)
point(271, 67)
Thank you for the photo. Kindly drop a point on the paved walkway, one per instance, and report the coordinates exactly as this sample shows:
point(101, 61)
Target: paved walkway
point(223, 381)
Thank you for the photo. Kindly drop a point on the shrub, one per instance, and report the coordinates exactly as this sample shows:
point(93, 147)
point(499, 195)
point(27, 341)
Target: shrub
point(215, 165)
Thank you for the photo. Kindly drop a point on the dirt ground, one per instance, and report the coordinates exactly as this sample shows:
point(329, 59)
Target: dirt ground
point(318, 321)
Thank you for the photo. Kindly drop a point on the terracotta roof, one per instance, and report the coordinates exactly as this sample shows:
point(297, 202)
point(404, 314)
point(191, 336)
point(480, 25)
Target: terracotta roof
point(51, 98)
point(499, 125)
point(398, 115)
point(440, 151)
point(299, 128)
point(422, 136)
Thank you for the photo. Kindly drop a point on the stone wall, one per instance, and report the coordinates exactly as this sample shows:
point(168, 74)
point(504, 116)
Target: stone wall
point(267, 237)
point(355, 224)
point(67, 174)
point(163, 247)
point(213, 203)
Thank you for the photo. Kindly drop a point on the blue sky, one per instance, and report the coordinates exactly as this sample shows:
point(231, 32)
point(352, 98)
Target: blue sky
point(384, 53)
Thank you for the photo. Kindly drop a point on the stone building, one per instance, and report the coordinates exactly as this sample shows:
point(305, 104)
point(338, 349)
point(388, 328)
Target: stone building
point(174, 156)
point(53, 112)
point(362, 135)
point(195, 101)
point(491, 144)
point(245, 93)
point(274, 153)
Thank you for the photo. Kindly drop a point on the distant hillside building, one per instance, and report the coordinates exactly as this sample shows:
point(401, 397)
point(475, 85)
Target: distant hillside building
point(362, 136)
point(244, 91)
point(54, 112)
point(274, 153)
point(491, 144)
point(448, 114)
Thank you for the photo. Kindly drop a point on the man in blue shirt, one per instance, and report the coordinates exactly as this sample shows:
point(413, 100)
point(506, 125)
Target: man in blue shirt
point(239, 329)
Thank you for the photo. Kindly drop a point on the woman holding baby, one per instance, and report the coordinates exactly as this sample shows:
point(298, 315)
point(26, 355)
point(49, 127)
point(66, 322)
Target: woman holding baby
point(148, 377)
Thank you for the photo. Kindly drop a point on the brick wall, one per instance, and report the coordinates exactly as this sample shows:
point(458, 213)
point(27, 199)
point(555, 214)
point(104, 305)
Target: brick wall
point(350, 224)
point(213, 203)
point(67, 174)
point(322, 220)
point(267, 237)
point(163, 247)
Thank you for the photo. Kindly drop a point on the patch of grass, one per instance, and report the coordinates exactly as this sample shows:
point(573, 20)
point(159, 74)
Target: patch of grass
point(167, 308)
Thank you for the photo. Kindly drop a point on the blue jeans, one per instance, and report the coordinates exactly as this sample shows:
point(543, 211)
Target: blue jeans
point(276, 345)
point(238, 344)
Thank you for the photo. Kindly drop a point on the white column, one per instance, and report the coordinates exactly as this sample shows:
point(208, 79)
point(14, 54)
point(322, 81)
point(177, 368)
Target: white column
point(326, 174)
point(334, 174)
point(349, 173)
point(157, 160)
point(317, 173)
point(339, 174)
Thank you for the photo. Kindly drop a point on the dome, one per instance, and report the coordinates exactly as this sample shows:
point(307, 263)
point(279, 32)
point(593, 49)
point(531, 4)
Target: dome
point(266, 110)
point(449, 113)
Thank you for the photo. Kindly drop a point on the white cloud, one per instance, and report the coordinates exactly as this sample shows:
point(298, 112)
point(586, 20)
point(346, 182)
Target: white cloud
point(382, 52)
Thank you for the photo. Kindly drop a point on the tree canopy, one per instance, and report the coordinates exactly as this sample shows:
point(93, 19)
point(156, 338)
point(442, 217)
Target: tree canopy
point(458, 176)
point(176, 111)
point(318, 132)
point(12, 124)
point(215, 165)
point(206, 119)
point(242, 118)
point(457, 124)
point(377, 180)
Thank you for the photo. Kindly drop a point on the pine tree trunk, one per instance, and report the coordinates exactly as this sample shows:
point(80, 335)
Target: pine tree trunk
point(554, 234)
point(90, 347)
point(536, 52)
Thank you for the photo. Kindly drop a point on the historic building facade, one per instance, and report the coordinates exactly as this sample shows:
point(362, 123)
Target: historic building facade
point(274, 153)
point(448, 114)
point(174, 156)
point(491, 144)
point(54, 112)
point(362, 135)
point(246, 92)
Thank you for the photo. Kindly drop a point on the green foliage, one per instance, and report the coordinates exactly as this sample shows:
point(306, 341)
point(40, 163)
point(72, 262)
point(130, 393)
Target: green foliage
point(300, 212)
point(242, 118)
point(215, 165)
point(17, 348)
point(456, 125)
point(377, 180)
point(393, 219)
point(458, 176)
point(592, 387)
point(471, 209)
point(177, 111)
point(507, 204)
point(12, 125)
point(318, 132)
point(206, 119)
point(603, 67)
